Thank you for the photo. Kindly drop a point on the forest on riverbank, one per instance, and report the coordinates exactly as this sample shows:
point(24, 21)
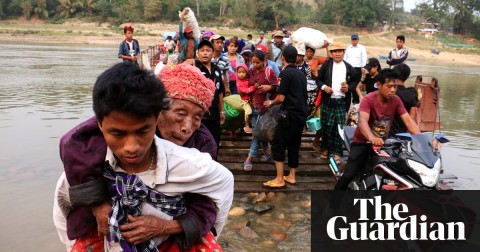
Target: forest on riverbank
point(458, 16)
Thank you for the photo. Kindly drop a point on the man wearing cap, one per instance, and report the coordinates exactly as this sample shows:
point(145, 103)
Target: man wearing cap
point(277, 48)
point(216, 115)
point(336, 80)
point(189, 44)
point(262, 39)
point(368, 82)
point(356, 55)
point(292, 94)
point(220, 59)
point(301, 64)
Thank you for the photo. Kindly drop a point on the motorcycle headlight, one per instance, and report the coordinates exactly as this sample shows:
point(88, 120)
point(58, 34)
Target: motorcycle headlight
point(429, 176)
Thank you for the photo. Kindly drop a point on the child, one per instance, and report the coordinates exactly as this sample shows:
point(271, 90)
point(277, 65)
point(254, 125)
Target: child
point(245, 92)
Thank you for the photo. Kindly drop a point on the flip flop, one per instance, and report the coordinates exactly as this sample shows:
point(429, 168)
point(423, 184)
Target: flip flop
point(247, 166)
point(288, 180)
point(323, 155)
point(273, 185)
point(265, 157)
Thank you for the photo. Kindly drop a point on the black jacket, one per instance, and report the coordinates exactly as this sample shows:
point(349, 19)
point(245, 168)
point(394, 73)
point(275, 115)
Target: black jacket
point(325, 78)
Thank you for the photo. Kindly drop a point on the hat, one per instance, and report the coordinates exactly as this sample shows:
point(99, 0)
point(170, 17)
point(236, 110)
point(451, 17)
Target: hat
point(187, 30)
point(207, 34)
point(373, 62)
point(278, 34)
point(246, 49)
point(186, 82)
point(205, 42)
point(300, 49)
point(261, 32)
point(354, 36)
point(262, 48)
point(336, 46)
point(290, 52)
point(217, 36)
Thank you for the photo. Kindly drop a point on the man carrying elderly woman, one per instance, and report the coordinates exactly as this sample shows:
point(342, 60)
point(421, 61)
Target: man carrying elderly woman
point(125, 188)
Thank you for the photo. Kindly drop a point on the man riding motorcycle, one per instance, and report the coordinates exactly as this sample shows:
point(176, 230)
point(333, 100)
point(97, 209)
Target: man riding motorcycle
point(377, 112)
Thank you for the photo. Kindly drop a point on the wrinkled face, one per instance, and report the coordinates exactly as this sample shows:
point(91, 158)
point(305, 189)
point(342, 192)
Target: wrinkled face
point(218, 45)
point(129, 35)
point(400, 44)
point(241, 73)
point(387, 90)
point(355, 42)
point(178, 123)
point(232, 48)
point(205, 54)
point(129, 138)
point(257, 63)
point(309, 53)
point(337, 55)
point(278, 40)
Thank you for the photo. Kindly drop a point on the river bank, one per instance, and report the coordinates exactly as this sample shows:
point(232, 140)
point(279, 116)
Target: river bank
point(149, 34)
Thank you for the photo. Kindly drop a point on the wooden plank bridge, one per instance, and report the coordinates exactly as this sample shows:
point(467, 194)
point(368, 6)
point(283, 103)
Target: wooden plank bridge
point(312, 174)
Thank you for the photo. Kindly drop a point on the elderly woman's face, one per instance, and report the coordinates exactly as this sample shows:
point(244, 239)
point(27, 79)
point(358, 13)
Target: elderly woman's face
point(178, 123)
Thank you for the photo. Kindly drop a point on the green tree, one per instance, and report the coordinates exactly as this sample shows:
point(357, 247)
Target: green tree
point(152, 10)
point(27, 9)
point(40, 9)
point(67, 8)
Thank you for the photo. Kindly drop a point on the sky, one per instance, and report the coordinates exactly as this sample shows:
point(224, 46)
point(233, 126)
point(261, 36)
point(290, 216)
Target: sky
point(408, 5)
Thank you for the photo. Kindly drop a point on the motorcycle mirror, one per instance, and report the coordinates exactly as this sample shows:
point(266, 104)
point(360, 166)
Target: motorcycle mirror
point(404, 136)
point(441, 138)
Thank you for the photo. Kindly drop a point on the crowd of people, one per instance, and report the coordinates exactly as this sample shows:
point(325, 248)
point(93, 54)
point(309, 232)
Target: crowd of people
point(142, 173)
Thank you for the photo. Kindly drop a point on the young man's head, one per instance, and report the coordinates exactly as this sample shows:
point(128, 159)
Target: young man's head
point(246, 53)
point(242, 71)
point(261, 34)
point(205, 52)
point(249, 37)
point(309, 52)
point(128, 31)
point(355, 39)
point(126, 102)
point(400, 41)
point(191, 95)
point(387, 83)
point(290, 54)
point(278, 37)
point(337, 50)
point(403, 71)
point(217, 42)
point(169, 38)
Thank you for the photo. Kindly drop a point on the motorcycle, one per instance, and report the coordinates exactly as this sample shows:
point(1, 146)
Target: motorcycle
point(404, 162)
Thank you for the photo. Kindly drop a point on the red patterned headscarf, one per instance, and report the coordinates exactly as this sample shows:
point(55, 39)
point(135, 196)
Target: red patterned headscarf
point(186, 82)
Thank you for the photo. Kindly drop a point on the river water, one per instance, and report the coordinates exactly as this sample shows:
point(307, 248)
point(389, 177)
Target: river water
point(46, 90)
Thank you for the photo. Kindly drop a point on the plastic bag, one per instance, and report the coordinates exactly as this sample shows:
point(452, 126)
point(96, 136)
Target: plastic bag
point(305, 36)
point(190, 21)
point(264, 130)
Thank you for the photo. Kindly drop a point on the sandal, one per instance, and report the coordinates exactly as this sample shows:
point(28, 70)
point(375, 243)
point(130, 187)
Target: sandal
point(324, 155)
point(247, 131)
point(289, 181)
point(265, 157)
point(247, 166)
point(273, 185)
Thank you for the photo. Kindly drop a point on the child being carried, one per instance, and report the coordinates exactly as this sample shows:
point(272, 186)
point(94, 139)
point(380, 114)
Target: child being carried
point(245, 92)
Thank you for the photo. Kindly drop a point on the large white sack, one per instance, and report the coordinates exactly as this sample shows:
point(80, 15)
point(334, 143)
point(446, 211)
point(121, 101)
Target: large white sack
point(189, 20)
point(309, 37)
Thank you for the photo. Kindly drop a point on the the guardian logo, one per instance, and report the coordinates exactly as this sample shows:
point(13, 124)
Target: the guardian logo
point(388, 223)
